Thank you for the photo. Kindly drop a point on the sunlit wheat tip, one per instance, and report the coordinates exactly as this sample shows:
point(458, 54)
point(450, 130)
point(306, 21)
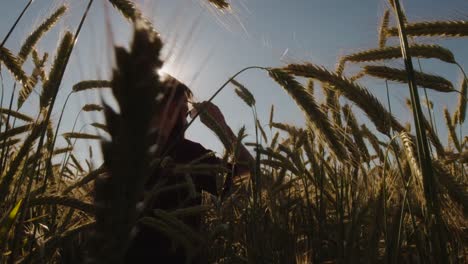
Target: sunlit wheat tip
point(51, 87)
point(36, 35)
point(383, 28)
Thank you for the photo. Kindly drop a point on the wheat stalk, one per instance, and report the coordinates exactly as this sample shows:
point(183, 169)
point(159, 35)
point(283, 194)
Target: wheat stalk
point(37, 72)
point(394, 52)
point(383, 28)
point(373, 140)
point(51, 87)
point(100, 126)
point(451, 129)
point(16, 114)
point(462, 100)
point(243, 93)
point(62, 150)
point(354, 92)
point(13, 64)
point(71, 135)
point(314, 115)
point(15, 131)
point(92, 107)
point(355, 131)
point(434, 28)
point(215, 126)
point(90, 84)
point(91, 176)
point(456, 189)
point(412, 158)
point(433, 82)
point(19, 158)
point(127, 8)
point(52, 243)
point(36, 35)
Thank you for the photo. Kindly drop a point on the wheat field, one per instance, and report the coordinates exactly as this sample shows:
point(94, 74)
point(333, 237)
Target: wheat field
point(335, 190)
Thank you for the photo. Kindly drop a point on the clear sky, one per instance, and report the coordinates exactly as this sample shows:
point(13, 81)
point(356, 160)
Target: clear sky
point(208, 46)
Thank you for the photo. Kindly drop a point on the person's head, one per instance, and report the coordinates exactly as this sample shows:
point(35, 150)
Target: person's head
point(172, 118)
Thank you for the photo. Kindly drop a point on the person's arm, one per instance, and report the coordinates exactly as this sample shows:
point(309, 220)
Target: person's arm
point(244, 159)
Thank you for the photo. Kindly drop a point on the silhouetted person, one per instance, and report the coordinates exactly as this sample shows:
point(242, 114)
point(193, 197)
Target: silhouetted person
point(149, 245)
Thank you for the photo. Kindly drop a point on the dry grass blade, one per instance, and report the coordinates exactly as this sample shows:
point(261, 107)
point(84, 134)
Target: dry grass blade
point(90, 84)
point(13, 64)
point(314, 114)
point(52, 85)
point(433, 29)
point(376, 112)
point(32, 39)
point(383, 28)
point(394, 52)
point(433, 82)
point(71, 135)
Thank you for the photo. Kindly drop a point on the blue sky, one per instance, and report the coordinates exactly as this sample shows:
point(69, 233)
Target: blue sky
point(209, 46)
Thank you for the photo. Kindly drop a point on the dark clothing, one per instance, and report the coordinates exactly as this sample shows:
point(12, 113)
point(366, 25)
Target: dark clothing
point(150, 246)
